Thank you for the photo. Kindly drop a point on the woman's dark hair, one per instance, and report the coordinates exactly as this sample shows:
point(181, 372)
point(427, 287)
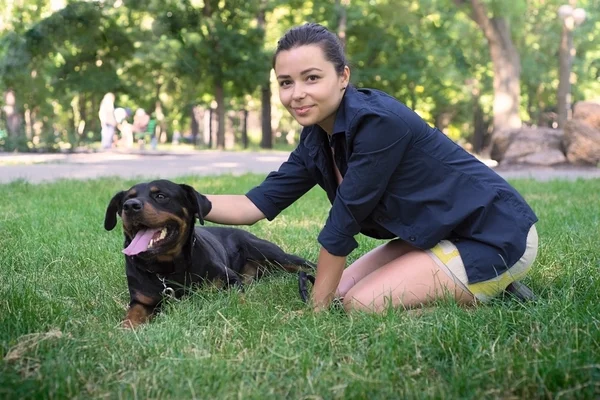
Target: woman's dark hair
point(316, 34)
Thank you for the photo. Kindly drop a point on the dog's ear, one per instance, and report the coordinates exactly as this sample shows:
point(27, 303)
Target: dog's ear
point(114, 208)
point(201, 206)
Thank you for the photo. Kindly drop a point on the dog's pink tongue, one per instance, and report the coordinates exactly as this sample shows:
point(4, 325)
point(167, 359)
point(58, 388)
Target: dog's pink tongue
point(140, 242)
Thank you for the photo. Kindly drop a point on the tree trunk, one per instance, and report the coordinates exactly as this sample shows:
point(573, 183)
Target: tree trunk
point(341, 6)
point(507, 77)
point(266, 141)
point(220, 98)
point(94, 125)
point(565, 58)
point(443, 119)
point(245, 128)
point(160, 128)
point(28, 123)
point(479, 129)
point(197, 121)
point(208, 127)
point(506, 65)
point(83, 118)
point(11, 115)
point(267, 130)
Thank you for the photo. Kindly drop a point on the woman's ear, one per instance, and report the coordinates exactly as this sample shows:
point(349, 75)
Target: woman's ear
point(345, 77)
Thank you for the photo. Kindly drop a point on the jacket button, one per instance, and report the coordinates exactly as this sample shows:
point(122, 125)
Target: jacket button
point(412, 238)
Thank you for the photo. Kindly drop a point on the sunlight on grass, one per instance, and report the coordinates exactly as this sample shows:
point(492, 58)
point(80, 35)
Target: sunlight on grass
point(63, 294)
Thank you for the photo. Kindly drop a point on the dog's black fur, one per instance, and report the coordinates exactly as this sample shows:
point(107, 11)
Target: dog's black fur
point(187, 255)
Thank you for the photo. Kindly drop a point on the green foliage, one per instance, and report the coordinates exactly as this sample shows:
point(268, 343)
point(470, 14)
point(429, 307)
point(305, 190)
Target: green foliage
point(538, 42)
point(429, 54)
point(63, 294)
point(14, 60)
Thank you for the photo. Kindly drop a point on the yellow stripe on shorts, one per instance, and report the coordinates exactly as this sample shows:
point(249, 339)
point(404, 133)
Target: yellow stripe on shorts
point(448, 254)
point(493, 287)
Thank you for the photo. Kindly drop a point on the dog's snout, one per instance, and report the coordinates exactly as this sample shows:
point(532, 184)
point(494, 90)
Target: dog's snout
point(132, 206)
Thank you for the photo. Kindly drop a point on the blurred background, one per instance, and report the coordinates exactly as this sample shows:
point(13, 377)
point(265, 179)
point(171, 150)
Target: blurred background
point(200, 70)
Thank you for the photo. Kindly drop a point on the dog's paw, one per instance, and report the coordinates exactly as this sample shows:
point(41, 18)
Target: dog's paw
point(128, 324)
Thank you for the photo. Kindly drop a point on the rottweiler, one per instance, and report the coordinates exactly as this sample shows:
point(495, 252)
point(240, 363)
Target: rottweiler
point(166, 254)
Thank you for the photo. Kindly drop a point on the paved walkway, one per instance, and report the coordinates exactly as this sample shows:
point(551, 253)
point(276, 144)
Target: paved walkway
point(38, 168)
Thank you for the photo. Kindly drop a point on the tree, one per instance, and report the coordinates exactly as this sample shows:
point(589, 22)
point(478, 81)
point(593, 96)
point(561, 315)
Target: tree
point(60, 62)
point(218, 46)
point(505, 60)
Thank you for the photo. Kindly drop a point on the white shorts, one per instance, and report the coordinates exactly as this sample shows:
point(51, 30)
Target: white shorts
point(446, 256)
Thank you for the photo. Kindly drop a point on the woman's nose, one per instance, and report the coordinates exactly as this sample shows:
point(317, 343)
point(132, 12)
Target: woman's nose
point(299, 92)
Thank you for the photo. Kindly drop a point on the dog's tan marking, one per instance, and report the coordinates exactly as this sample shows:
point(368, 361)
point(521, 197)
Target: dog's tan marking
point(218, 283)
point(136, 315)
point(249, 272)
point(252, 270)
point(141, 311)
point(296, 268)
point(144, 299)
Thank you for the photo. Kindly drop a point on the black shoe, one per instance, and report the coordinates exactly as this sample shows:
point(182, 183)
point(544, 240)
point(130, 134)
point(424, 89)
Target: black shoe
point(520, 291)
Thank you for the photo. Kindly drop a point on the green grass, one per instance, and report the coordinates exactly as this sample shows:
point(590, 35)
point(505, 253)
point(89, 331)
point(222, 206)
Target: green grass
point(63, 294)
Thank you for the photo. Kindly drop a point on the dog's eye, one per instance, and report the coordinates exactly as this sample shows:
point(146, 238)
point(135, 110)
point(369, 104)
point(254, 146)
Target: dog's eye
point(160, 196)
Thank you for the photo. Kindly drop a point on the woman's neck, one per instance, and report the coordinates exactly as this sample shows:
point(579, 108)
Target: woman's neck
point(327, 124)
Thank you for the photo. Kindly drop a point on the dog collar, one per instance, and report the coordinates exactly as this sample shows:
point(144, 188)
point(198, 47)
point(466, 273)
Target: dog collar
point(167, 291)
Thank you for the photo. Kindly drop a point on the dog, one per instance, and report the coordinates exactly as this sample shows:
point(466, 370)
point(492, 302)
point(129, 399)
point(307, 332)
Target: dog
point(166, 255)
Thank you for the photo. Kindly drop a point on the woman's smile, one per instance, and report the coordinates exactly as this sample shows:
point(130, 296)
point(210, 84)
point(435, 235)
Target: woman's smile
point(301, 111)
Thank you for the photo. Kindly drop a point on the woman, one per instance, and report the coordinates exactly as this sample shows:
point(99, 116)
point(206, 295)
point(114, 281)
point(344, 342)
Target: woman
point(454, 226)
point(107, 120)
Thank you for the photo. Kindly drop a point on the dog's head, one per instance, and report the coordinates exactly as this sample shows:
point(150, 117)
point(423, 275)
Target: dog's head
point(157, 216)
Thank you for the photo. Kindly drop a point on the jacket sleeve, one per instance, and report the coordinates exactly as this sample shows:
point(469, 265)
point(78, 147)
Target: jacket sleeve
point(283, 187)
point(378, 147)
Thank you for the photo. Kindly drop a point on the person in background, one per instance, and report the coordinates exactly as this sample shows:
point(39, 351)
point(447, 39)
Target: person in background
point(126, 129)
point(453, 226)
point(107, 120)
point(140, 126)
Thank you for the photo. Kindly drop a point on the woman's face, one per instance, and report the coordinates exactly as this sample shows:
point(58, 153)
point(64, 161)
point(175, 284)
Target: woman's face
point(309, 87)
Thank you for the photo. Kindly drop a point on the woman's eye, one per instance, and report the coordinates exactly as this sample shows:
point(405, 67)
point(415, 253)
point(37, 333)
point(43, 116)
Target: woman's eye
point(313, 78)
point(284, 83)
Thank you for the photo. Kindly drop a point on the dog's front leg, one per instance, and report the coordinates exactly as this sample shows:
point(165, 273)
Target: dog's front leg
point(233, 279)
point(141, 309)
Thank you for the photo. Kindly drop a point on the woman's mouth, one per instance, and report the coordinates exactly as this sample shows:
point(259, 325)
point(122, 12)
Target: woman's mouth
point(302, 110)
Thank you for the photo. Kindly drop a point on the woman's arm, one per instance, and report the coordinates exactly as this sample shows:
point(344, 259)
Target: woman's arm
point(233, 210)
point(329, 273)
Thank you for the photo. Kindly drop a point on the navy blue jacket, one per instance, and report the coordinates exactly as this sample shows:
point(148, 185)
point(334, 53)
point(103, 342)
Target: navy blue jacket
point(401, 178)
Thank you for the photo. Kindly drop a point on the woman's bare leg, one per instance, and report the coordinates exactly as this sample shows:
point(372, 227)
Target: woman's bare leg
point(412, 279)
point(371, 261)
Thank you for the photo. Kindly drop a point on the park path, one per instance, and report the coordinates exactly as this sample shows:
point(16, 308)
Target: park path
point(48, 167)
point(37, 168)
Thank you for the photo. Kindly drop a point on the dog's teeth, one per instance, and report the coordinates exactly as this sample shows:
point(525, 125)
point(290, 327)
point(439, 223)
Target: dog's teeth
point(163, 233)
point(151, 243)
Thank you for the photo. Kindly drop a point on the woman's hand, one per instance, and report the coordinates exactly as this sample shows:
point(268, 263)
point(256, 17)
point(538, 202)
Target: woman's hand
point(329, 273)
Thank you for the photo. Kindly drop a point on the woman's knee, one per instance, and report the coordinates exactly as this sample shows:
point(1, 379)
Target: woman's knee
point(351, 303)
point(413, 280)
point(358, 299)
point(370, 262)
point(346, 283)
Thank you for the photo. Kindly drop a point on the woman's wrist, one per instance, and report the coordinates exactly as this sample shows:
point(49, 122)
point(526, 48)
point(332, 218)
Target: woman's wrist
point(329, 273)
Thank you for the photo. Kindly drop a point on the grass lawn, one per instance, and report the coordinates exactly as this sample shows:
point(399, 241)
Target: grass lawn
point(63, 295)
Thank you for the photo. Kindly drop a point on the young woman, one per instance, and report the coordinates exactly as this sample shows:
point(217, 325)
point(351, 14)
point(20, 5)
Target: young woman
point(454, 226)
